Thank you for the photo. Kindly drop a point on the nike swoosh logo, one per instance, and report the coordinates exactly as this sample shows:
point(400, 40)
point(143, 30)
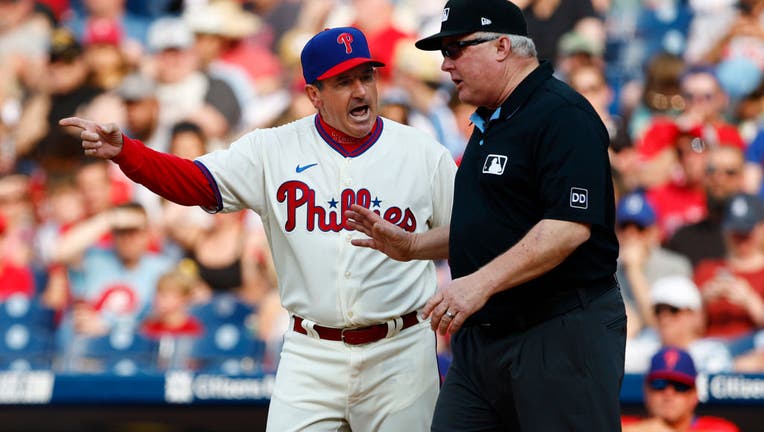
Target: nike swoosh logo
point(300, 169)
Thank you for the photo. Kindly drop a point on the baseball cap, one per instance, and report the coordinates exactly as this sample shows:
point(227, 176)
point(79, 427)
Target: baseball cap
point(678, 291)
point(743, 213)
point(634, 208)
point(674, 364)
point(169, 32)
point(63, 46)
point(469, 16)
point(334, 51)
point(102, 31)
point(573, 42)
point(225, 18)
point(136, 87)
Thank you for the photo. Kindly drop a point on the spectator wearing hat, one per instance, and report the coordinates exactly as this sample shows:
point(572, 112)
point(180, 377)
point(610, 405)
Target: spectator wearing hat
point(138, 93)
point(574, 50)
point(723, 178)
point(133, 26)
point(65, 91)
point(671, 397)
point(676, 180)
point(184, 92)
point(733, 287)
point(103, 53)
point(642, 260)
point(680, 322)
point(226, 50)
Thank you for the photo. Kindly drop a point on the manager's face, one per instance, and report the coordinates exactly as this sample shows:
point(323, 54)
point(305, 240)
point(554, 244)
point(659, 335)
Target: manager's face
point(348, 101)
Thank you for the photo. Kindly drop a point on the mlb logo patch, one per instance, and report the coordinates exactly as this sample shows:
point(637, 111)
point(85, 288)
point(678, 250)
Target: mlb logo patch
point(579, 198)
point(494, 164)
point(444, 18)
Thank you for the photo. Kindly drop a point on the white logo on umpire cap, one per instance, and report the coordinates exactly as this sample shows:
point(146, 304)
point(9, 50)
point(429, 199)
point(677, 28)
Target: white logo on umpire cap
point(579, 198)
point(494, 164)
point(444, 18)
point(485, 21)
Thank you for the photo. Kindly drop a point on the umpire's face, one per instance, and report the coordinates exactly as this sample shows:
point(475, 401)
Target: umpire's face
point(348, 101)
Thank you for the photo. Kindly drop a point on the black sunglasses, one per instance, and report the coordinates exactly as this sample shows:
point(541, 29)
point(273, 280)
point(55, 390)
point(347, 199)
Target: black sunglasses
point(662, 384)
point(663, 308)
point(454, 49)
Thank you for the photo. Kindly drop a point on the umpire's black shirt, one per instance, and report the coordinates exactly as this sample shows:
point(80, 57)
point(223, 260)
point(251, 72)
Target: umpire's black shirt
point(541, 155)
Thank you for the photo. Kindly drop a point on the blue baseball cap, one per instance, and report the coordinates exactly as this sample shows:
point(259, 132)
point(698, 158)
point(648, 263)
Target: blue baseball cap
point(743, 213)
point(673, 364)
point(334, 51)
point(634, 208)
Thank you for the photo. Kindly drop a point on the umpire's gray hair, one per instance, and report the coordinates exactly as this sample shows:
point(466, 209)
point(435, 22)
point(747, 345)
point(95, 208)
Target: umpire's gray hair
point(521, 45)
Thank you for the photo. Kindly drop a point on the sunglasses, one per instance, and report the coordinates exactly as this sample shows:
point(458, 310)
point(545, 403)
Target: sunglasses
point(703, 97)
point(454, 49)
point(728, 171)
point(664, 308)
point(663, 384)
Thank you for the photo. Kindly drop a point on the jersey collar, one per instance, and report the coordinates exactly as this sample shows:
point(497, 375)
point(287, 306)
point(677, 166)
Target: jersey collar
point(516, 99)
point(345, 144)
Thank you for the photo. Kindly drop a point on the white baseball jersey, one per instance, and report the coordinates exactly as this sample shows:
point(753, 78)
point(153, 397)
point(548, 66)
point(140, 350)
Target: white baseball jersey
point(300, 182)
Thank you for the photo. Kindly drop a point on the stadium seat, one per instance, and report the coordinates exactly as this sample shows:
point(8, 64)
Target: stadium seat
point(24, 347)
point(222, 309)
point(123, 351)
point(228, 349)
point(19, 308)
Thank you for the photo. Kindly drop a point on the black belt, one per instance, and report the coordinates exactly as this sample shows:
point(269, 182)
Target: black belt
point(561, 303)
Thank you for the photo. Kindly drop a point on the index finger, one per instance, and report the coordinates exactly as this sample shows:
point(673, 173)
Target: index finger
point(74, 121)
point(363, 211)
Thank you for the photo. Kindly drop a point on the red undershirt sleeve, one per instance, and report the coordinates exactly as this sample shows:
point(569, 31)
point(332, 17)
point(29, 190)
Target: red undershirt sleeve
point(179, 180)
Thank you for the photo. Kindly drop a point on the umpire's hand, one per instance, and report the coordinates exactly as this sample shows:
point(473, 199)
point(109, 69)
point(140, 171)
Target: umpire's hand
point(98, 140)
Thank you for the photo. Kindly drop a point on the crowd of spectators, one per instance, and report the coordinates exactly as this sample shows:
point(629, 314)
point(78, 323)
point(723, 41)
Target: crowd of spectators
point(678, 83)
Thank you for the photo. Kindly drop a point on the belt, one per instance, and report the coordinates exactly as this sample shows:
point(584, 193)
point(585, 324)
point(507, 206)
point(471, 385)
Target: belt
point(559, 304)
point(355, 336)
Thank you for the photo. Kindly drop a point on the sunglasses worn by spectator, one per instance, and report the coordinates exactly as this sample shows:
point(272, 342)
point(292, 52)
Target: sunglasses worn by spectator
point(728, 171)
point(704, 97)
point(662, 308)
point(454, 49)
point(662, 384)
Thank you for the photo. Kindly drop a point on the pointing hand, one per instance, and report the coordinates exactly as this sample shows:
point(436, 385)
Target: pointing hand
point(98, 140)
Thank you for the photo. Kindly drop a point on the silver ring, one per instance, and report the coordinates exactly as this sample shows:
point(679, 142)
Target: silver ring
point(450, 314)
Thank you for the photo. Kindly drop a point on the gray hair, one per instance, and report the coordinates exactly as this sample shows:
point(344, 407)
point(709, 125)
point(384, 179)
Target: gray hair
point(521, 45)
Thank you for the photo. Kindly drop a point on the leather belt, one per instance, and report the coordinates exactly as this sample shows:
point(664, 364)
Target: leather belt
point(355, 336)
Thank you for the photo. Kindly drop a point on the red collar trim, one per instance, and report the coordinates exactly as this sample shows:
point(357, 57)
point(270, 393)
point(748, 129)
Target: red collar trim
point(345, 144)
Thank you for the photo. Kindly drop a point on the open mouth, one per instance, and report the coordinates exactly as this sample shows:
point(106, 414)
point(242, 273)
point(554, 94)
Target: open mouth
point(360, 112)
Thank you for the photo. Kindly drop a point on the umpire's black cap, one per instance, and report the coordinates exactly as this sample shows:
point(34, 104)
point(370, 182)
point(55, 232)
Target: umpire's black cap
point(469, 16)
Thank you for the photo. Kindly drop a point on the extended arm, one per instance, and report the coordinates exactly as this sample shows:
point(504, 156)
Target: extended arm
point(544, 247)
point(179, 180)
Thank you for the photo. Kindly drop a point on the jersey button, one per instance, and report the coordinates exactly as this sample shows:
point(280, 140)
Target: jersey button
point(350, 314)
point(347, 275)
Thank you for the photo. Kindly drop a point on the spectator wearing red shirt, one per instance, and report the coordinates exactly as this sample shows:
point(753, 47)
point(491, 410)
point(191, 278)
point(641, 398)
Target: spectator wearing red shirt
point(682, 199)
point(170, 315)
point(733, 287)
point(13, 278)
point(671, 398)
